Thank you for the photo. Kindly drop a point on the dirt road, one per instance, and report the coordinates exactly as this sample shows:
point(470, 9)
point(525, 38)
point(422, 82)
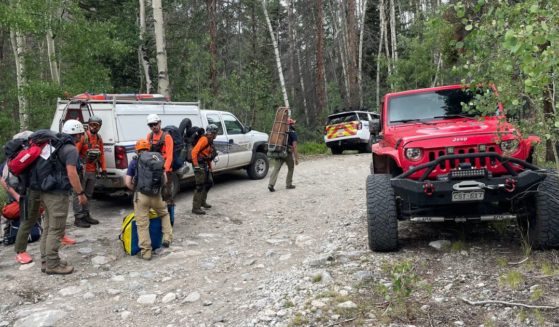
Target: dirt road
point(292, 257)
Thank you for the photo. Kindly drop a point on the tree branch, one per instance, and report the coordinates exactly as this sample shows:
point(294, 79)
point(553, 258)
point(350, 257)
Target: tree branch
point(544, 307)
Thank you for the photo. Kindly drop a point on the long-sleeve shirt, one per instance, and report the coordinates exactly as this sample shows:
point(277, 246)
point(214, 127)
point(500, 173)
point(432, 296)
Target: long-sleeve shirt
point(202, 149)
point(166, 149)
point(91, 141)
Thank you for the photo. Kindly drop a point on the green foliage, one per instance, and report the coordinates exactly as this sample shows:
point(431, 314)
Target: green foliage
point(312, 148)
point(403, 281)
point(513, 279)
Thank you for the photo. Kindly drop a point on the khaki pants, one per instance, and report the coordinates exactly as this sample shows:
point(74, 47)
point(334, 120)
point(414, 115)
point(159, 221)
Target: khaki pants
point(27, 223)
point(278, 162)
point(54, 225)
point(142, 204)
point(88, 185)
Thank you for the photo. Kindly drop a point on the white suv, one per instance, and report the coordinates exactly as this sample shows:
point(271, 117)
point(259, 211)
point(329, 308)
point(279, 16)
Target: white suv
point(349, 130)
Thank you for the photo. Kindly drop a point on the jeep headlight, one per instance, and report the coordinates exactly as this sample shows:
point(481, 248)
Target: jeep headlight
point(414, 154)
point(509, 146)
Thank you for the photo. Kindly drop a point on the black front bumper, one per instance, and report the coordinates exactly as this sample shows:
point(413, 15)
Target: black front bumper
point(451, 190)
point(347, 143)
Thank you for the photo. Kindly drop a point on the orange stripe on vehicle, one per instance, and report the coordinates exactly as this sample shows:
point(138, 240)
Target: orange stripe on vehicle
point(346, 130)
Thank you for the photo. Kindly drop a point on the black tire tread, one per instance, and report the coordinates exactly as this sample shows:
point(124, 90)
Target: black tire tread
point(544, 229)
point(382, 215)
point(251, 168)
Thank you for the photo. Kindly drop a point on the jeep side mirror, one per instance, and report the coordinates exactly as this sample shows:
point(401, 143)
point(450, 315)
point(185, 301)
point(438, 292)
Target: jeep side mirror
point(374, 126)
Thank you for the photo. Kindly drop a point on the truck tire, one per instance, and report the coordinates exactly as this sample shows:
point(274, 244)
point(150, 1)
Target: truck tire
point(258, 168)
point(543, 228)
point(336, 150)
point(382, 214)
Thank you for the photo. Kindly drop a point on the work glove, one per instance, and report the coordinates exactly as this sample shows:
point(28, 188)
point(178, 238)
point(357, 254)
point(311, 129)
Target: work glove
point(104, 174)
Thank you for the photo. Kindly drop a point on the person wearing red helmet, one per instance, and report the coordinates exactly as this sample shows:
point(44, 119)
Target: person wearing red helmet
point(291, 159)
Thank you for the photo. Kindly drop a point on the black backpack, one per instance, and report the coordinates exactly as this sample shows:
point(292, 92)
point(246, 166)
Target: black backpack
point(50, 174)
point(191, 138)
point(177, 145)
point(149, 173)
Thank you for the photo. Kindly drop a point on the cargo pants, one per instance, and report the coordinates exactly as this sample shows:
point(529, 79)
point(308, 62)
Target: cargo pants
point(27, 223)
point(278, 162)
point(88, 186)
point(142, 204)
point(54, 225)
point(204, 182)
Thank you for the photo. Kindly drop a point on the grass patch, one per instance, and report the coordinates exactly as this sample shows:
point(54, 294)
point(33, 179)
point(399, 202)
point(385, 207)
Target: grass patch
point(3, 197)
point(547, 269)
point(309, 148)
point(317, 278)
point(299, 320)
point(458, 246)
point(288, 304)
point(536, 294)
point(513, 279)
point(502, 262)
point(326, 294)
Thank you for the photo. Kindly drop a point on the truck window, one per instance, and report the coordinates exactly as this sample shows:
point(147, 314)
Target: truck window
point(232, 125)
point(214, 119)
point(363, 116)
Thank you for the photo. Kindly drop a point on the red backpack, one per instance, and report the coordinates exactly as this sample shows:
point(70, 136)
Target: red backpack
point(27, 156)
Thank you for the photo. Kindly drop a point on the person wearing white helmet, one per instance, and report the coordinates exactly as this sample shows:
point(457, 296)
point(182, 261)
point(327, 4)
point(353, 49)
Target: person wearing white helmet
point(54, 179)
point(162, 142)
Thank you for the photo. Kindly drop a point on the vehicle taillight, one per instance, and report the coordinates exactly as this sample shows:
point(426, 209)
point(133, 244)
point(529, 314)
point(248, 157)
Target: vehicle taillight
point(360, 125)
point(121, 160)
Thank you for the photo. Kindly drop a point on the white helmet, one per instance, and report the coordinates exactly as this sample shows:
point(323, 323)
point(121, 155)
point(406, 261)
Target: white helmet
point(72, 127)
point(153, 118)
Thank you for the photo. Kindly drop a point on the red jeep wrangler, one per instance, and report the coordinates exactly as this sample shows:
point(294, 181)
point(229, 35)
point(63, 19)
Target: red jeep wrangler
point(439, 159)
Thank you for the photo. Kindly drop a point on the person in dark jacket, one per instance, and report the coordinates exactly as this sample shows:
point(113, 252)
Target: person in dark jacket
point(291, 159)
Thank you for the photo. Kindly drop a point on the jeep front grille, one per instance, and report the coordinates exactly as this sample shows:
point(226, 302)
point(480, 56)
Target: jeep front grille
point(478, 163)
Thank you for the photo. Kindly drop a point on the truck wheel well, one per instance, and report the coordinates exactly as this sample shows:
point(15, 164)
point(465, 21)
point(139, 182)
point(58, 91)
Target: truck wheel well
point(385, 165)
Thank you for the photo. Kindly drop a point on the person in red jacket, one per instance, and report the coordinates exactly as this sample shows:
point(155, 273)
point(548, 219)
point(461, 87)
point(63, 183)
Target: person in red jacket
point(202, 155)
point(92, 154)
point(162, 142)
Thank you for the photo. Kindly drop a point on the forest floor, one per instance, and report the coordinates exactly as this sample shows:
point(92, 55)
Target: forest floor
point(289, 258)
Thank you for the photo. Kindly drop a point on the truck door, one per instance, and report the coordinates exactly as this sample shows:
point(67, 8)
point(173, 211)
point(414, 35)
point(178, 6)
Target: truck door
point(221, 144)
point(240, 152)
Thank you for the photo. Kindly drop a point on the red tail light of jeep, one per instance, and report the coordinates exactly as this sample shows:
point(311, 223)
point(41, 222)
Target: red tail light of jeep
point(121, 160)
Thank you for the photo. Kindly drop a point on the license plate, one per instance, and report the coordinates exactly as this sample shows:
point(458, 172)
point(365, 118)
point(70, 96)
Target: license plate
point(467, 196)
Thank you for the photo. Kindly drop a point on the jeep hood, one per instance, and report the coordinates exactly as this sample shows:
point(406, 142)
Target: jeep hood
point(455, 129)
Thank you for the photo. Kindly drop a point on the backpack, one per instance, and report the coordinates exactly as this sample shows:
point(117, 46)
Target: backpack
point(149, 173)
point(23, 153)
point(178, 144)
point(49, 173)
point(191, 139)
point(12, 227)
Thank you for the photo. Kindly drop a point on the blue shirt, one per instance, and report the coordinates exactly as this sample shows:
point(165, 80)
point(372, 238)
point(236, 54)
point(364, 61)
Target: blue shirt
point(291, 137)
point(132, 168)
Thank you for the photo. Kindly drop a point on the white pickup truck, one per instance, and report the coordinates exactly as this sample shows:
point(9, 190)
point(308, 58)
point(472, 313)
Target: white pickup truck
point(124, 122)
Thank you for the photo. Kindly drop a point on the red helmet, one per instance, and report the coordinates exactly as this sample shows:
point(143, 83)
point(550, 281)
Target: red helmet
point(291, 121)
point(142, 144)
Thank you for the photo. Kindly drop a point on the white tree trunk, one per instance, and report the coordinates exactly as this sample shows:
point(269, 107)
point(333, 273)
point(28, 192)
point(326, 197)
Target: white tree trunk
point(393, 41)
point(161, 48)
point(18, 46)
point(360, 60)
point(276, 51)
point(144, 62)
point(384, 35)
point(53, 64)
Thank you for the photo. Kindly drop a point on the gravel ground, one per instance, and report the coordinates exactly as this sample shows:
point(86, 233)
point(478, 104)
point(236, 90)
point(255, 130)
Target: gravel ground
point(289, 258)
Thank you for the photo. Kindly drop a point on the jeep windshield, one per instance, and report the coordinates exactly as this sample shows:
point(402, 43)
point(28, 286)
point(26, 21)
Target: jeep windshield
point(427, 106)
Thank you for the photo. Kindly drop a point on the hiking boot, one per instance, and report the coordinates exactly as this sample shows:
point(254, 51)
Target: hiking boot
point(60, 270)
point(88, 219)
point(206, 206)
point(24, 258)
point(144, 256)
point(60, 263)
point(65, 240)
point(166, 244)
point(80, 222)
point(198, 211)
point(271, 188)
point(290, 187)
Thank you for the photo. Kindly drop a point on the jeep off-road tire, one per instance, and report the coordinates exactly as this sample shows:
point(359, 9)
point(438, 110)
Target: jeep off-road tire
point(382, 214)
point(543, 228)
point(336, 150)
point(259, 166)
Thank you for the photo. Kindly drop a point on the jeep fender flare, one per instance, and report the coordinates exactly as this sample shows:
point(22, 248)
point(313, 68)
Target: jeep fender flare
point(385, 162)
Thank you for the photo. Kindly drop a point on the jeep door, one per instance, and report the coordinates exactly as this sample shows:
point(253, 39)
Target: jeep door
point(240, 152)
point(221, 144)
